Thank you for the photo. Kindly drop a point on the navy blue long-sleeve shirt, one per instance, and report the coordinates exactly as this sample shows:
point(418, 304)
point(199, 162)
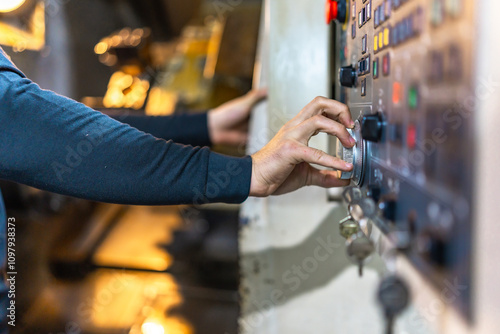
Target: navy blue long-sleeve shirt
point(56, 144)
point(189, 129)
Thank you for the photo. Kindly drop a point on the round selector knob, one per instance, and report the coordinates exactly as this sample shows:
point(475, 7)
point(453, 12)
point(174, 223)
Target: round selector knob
point(372, 127)
point(336, 10)
point(354, 155)
point(347, 76)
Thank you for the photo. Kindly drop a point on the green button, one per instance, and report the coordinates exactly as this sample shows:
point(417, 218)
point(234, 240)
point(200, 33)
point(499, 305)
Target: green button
point(375, 68)
point(413, 98)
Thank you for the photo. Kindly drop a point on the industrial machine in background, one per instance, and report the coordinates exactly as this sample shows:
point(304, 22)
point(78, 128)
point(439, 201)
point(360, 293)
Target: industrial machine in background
point(22, 24)
point(406, 69)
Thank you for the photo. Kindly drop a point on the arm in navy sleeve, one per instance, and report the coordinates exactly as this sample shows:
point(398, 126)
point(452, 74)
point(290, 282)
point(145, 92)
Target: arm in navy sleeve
point(190, 129)
point(53, 143)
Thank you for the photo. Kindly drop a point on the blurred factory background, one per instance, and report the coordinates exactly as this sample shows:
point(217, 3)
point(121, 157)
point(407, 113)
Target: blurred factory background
point(96, 268)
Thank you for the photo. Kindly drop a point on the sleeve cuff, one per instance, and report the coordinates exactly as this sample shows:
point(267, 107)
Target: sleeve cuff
point(199, 127)
point(228, 178)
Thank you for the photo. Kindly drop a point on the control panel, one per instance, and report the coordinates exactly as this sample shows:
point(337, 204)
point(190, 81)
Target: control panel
point(405, 68)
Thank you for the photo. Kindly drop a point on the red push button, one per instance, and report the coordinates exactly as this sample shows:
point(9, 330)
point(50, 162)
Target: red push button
point(411, 136)
point(331, 10)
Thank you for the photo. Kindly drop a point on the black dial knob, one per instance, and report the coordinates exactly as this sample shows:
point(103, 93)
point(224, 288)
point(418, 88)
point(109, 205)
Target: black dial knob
point(371, 127)
point(347, 76)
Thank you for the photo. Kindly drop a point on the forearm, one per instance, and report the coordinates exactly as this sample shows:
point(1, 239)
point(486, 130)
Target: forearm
point(189, 129)
point(56, 144)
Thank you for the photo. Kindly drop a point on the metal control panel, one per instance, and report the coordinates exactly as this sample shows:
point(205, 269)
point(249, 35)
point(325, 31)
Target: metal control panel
point(405, 69)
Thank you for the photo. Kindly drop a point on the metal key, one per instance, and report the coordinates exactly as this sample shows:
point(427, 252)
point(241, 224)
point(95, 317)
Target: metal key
point(394, 295)
point(348, 227)
point(359, 249)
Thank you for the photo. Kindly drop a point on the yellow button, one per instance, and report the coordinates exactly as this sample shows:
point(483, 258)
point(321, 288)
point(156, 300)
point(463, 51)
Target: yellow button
point(386, 36)
point(375, 43)
point(380, 40)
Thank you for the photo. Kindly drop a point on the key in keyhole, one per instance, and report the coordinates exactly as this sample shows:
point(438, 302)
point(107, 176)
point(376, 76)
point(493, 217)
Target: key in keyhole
point(359, 249)
point(394, 295)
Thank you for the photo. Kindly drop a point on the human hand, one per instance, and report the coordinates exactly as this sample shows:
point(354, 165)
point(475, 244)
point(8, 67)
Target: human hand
point(283, 165)
point(228, 124)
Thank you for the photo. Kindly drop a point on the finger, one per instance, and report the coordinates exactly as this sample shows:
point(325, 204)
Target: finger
point(330, 108)
point(320, 123)
point(318, 157)
point(324, 178)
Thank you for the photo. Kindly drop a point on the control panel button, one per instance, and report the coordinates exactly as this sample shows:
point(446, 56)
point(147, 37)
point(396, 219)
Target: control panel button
point(381, 13)
point(363, 87)
point(396, 92)
point(386, 65)
point(388, 9)
point(387, 36)
point(363, 16)
point(413, 98)
point(347, 76)
point(375, 43)
point(375, 68)
point(364, 43)
point(411, 136)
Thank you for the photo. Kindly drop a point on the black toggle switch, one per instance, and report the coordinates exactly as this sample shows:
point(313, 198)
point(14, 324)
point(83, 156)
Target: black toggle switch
point(347, 76)
point(371, 127)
